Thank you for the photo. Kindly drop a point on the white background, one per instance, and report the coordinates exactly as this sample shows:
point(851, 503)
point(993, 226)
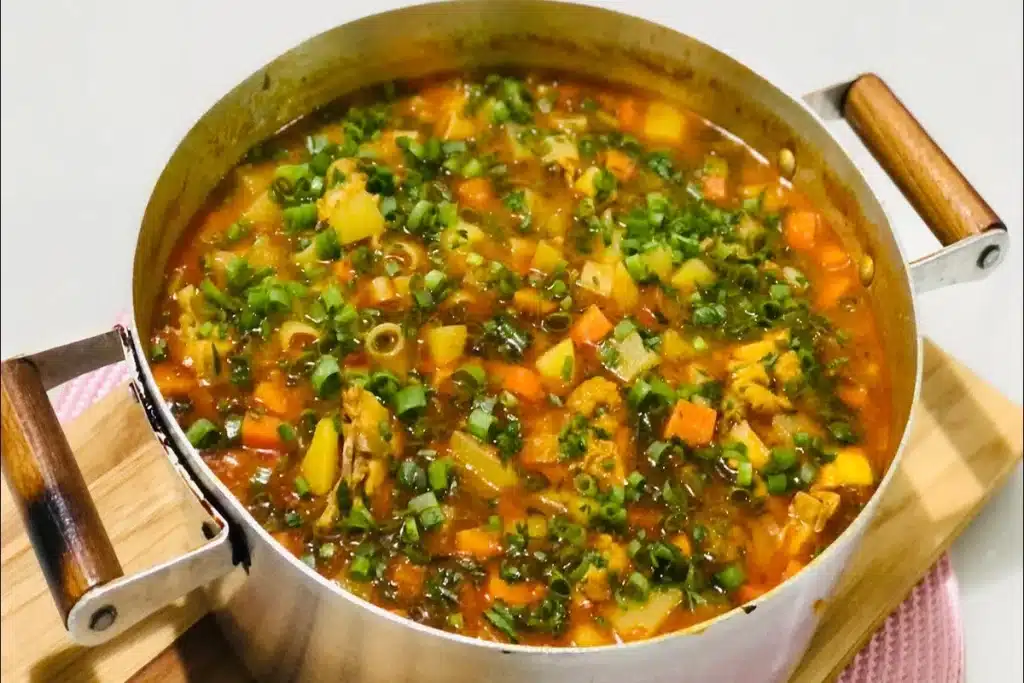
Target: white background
point(95, 96)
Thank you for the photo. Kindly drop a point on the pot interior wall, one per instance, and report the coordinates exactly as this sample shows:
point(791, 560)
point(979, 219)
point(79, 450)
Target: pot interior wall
point(534, 33)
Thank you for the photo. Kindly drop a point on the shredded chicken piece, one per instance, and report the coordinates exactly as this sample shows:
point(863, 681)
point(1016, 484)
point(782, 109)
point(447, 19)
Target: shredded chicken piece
point(594, 392)
point(364, 452)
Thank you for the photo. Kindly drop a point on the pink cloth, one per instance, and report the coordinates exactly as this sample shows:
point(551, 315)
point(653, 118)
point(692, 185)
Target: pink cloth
point(921, 642)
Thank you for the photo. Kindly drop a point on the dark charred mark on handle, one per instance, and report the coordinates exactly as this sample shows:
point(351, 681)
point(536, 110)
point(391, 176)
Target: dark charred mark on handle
point(41, 521)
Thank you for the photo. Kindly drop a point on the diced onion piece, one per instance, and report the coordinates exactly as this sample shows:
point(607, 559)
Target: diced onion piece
point(757, 452)
point(480, 465)
point(446, 343)
point(598, 278)
point(634, 358)
point(633, 621)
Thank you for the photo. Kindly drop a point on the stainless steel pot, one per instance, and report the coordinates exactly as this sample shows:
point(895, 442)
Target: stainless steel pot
point(289, 623)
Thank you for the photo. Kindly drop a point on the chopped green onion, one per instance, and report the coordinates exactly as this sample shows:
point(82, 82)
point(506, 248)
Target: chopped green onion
point(472, 168)
point(699, 345)
point(418, 215)
point(326, 245)
point(423, 502)
point(777, 484)
point(585, 484)
point(655, 451)
point(433, 280)
point(470, 375)
point(623, 329)
point(293, 519)
point(779, 292)
point(474, 259)
point(301, 217)
point(202, 433)
point(638, 586)
point(480, 424)
point(217, 297)
point(745, 474)
point(783, 458)
point(286, 432)
point(332, 298)
point(326, 377)
point(301, 486)
point(438, 474)
point(503, 620)
point(410, 531)
point(731, 578)
point(327, 550)
point(361, 568)
point(842, 432)
point(411, 399)
point(358, 517)
point(158, 351)
point(432, 518)
point(411, 476)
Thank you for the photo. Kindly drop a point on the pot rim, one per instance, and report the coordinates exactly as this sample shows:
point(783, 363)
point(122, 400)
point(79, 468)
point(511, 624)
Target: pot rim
point(237, 513)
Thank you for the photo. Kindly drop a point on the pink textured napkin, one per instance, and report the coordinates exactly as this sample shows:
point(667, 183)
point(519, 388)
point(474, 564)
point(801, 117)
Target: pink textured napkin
point(921, 642)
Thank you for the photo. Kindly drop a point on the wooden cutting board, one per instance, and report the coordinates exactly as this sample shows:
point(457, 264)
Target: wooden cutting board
point(966, 439)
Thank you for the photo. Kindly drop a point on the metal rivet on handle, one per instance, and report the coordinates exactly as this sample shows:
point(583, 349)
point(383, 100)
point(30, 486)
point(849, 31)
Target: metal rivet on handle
point(103, 618)
point(989, 257)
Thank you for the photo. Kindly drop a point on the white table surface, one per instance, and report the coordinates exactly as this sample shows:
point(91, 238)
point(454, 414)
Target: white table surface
point(96, 95)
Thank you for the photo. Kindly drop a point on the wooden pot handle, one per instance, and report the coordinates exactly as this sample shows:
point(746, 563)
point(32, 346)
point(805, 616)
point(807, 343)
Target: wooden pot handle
point(943, 197)
point(70, 542)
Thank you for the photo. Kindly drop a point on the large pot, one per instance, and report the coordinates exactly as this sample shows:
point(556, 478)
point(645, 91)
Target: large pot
point(289, 623)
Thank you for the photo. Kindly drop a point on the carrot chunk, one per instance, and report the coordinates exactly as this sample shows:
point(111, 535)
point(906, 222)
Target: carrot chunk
point(694, 424)
point(408, 578)
point(522, 382)
point(478, 543)
point(620, 164)
point(173, 382)
point(831, 256)
point(853, 395)
point(262, 431)
point(714, 187)
point(476, 193)
point(274, 396)
point(522, 593)
point(799, 228)
point(628, 114)
point(591, 328)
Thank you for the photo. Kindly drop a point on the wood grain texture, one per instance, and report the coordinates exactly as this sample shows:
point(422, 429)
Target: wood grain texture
point(944, 198)
point(49, 490)
point(143, 506)
point(966, 439)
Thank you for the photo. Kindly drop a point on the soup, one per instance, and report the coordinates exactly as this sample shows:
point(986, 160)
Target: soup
point(527, 358)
